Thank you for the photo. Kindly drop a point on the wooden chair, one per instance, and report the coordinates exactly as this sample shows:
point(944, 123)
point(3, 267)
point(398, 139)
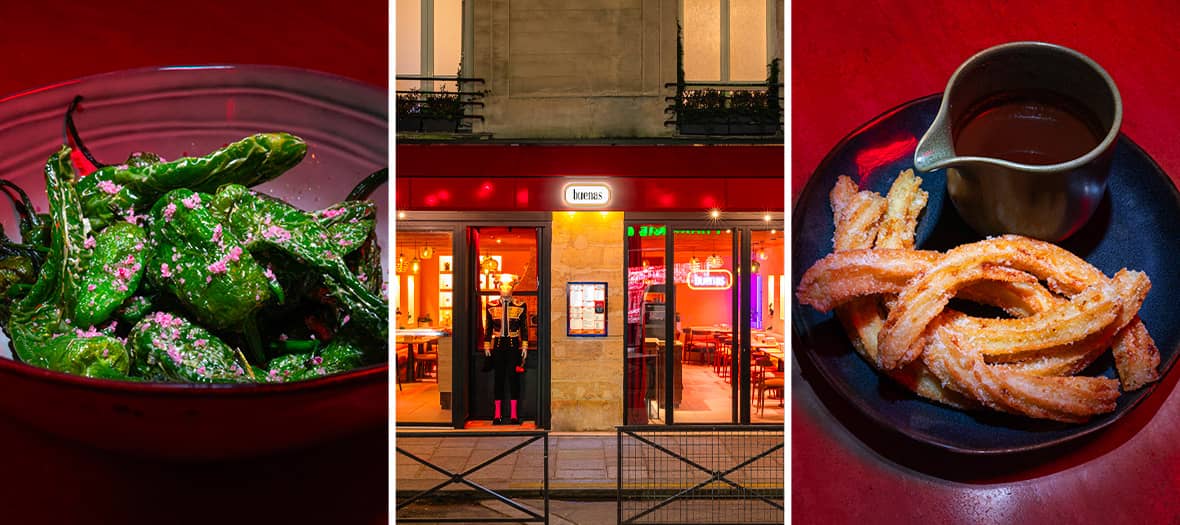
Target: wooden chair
point(427, 361)
point(723, 357)
point(766, 380)
point(699, 343)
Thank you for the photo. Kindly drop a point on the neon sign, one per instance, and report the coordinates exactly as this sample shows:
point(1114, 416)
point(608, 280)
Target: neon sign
point(586, 194)
point(712, 279)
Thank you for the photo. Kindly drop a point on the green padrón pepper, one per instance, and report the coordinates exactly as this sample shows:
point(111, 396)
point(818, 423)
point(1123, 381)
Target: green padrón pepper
point(166, 347)
point(262, 222)
point(203, 265)
point(125, 190)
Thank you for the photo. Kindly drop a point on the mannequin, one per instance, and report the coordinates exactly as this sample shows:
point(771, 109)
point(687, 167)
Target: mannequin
point(506, 342)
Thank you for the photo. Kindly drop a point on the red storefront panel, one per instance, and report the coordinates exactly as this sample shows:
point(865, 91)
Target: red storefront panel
point(641, 178)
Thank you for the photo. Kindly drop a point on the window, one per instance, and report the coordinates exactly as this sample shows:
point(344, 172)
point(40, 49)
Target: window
point(429, 42)
point(727, 40)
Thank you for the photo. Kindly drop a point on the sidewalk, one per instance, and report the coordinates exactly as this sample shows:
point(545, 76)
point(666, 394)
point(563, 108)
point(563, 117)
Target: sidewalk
point(583, 475)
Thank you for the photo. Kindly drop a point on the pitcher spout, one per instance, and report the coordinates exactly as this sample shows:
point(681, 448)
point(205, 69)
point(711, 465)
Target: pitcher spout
point(936, 149)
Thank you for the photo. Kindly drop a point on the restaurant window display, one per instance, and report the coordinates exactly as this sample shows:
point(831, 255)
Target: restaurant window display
point(423, 298)
point(712, 363)
point(504, 379)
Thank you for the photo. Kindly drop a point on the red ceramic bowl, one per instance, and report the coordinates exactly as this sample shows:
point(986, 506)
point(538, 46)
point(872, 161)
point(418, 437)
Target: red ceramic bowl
point(193, 110)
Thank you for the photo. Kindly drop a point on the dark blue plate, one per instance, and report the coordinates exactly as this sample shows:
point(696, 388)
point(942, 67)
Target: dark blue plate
point(1137, 226)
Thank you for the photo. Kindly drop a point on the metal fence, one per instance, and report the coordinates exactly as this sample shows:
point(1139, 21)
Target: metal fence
point(701, 474)
point(496, 456)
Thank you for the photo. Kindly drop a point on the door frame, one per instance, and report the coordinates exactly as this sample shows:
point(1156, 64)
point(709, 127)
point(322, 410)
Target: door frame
point(464, 332)
point(741, 224)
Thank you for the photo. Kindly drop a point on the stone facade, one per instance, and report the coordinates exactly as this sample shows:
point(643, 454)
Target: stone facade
point(587, 373)
point(574, 70)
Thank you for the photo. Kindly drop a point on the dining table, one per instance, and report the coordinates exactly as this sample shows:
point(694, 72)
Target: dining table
point(50, 479)
point(852, 61)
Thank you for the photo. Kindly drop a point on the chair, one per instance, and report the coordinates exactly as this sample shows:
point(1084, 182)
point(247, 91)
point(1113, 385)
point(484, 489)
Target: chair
point(766, 380)
point(427, 361)
point(700, 343)
point(403, 359)
point(723, 357)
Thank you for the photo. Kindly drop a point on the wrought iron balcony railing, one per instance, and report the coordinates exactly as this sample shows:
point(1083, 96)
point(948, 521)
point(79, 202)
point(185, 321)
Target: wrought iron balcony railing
point(429, 110)
point(726, 108)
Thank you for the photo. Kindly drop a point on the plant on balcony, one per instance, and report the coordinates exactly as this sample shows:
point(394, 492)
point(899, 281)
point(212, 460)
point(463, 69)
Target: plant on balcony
point(428, 111)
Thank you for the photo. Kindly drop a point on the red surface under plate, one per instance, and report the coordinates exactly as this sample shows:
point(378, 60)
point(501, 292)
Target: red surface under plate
point(853, 60)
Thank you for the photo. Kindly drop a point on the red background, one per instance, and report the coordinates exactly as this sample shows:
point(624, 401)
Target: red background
point(48, 480)
point(854, 60)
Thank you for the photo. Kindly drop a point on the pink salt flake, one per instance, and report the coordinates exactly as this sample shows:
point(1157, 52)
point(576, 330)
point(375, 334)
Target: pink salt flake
point(282, 337)
point(90, 287)
point(345, 320)
point(123, 273)
point(201, 371)
point(208, 279)
point(362, 277)
point(216, 234)
point(175, 355)
point(331, 213)
point(109, 187)
point(169, 211)
point(217, 267)
point(192, 201)
point(201, 343)
point(277, 234)
point(235, 253)
point(165, 272)
point(345, 242)
point(89, 243)
point(317, 360)
point(139, 247)
point(270, 274)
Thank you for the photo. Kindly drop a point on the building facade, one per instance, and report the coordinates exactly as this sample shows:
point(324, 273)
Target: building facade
point(620, 164)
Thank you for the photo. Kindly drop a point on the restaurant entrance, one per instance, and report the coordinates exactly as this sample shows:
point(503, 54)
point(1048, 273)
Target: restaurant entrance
point(725, 362)
point(506, 260)
point(449, 268)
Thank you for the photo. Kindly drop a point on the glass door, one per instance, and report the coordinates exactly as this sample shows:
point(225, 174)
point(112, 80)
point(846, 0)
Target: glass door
point(716, 293)
point(767, 325)
point(679, 330)
point(423, 298)
point(505, 260)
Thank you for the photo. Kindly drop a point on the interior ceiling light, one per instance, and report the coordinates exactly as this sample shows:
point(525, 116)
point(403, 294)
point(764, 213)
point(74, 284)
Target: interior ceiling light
point(426, 253)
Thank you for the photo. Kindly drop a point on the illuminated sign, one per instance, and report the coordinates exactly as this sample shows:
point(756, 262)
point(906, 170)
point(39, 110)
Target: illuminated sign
point(714, 279)
point(586, 194)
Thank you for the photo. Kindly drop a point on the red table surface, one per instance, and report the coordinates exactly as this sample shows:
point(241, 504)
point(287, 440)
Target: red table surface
point(854, 60)
point(47, 480)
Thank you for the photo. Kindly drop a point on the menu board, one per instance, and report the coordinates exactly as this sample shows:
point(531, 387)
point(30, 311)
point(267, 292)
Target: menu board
point(586, 310)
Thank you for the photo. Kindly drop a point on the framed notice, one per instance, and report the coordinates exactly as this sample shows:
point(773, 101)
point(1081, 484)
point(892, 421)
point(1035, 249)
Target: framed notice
point(586, 309)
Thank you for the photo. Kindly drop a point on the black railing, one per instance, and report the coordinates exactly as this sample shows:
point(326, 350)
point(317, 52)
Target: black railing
point(701, 474)
point(461, 476)
point(725, 108)
point(429, 110)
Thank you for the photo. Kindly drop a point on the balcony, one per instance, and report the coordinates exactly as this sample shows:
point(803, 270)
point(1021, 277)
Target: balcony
point(427, 110)
point(727, 108)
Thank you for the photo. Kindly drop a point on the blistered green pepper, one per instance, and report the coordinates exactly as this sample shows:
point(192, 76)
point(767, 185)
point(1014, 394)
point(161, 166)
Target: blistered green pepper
point(132, 188)
point(339, 356)
point(263, 223)
point(44, 312)
point(113, 273)
point(348, 223)
point(166, 347)
point(203, 265)
point(40, 326)
point(87, 354)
